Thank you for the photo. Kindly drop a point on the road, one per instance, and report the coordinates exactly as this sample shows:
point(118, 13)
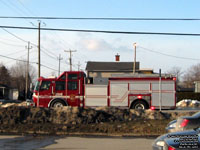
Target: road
point(85, 143)
point(9, 142)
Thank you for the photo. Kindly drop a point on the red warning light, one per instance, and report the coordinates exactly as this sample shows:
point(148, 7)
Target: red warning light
point(152, 108)
point(139, 97)
point(171, 148)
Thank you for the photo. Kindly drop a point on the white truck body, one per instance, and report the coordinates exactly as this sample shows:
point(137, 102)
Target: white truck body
point(154, 91)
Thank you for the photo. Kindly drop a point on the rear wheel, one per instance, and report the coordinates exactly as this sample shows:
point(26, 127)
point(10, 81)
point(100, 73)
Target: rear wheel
point(139, 105)
point(58, 104)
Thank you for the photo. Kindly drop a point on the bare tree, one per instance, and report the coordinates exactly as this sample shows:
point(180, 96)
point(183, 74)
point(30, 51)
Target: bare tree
point(18, 73)
point(176, 71)
point(4, 75)
point(191, 75)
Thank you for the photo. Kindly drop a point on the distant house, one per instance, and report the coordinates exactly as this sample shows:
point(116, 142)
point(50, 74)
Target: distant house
point(99, 72)
point(8, 93)
point(197, 86)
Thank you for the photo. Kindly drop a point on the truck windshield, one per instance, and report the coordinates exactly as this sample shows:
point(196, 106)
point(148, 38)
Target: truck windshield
point(44, 86)
point(37, 86)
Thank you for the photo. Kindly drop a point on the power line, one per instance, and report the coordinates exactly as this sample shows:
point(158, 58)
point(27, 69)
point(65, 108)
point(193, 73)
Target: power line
point(26, 62)
point(16, 7)
point(15, 59)
point(36, 15)
point(30, 43)
point(15, 35)
point(49, 55)
point(103, 31)
point(28, 10)
point(167, 54)
point(5, 43)
point(13, 53)
point(103, 18)
point(11, 7)
point(48, 67)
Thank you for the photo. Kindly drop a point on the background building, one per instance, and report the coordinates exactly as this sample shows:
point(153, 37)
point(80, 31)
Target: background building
point(99, 72)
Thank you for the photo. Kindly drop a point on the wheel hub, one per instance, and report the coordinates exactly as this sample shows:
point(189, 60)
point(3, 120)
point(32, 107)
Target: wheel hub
point(58, 105)
point(139, 106)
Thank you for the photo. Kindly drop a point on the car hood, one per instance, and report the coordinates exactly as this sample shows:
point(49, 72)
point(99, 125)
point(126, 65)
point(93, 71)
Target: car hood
point(171, 138)
point(170, 135)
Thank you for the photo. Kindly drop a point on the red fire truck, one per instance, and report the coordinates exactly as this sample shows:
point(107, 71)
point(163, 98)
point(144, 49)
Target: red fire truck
point(135, 92)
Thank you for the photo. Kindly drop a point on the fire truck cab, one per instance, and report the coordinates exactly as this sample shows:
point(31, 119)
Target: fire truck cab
point(67, 89)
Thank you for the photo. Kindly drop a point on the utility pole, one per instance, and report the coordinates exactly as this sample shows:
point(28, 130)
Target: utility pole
point(27, 70)
point(79, 65)
point(70, 57)
point(160, 90)
point(59, 59)
point(134, 63)
point(38, 49)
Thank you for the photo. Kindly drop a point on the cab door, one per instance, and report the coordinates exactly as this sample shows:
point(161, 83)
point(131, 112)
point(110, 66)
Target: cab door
point(45, 93)
point(73, 89)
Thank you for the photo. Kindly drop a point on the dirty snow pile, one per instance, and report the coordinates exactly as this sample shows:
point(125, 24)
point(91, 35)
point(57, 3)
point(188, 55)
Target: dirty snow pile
point(188, 103)
point(67, 120)
point(5, 105)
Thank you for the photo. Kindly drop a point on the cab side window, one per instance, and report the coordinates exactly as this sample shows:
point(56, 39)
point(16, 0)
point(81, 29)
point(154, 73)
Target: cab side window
point(45, 85)
point(72, 76)
point(60, 85)
point(72, 85)
point(63, 77)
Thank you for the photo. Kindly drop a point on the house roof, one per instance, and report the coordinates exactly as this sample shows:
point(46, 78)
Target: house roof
point(110, 66)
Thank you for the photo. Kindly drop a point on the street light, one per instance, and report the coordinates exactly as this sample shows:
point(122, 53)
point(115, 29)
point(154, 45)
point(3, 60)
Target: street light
point(134, 63)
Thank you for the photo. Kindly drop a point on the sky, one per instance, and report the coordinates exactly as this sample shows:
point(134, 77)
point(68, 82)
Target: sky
point(180, 51)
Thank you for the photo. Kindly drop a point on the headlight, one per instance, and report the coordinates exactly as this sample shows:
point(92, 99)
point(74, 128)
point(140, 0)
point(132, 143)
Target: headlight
point(173, 125)
point(160, 143)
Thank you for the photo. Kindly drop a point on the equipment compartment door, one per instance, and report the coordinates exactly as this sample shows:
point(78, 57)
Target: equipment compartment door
point(118, 94)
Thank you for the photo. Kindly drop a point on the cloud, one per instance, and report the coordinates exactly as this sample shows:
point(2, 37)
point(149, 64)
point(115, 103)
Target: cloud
point(96, 45)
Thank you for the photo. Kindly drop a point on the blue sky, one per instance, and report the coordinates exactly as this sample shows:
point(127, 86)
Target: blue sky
point(99, 46)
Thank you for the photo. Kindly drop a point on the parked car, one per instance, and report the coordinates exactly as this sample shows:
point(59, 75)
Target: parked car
point(171, 126)
point(189, 139)
point(184, 123)
point(159, 143)
point(188, 122)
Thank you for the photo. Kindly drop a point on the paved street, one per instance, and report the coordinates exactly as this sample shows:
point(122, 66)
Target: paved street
point(79, 143)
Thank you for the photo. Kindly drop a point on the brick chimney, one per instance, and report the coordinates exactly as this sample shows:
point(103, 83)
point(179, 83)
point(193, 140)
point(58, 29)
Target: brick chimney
point(117, 57)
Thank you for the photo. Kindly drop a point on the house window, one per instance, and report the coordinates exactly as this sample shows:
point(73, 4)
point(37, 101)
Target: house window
point(90, 80)
point(72, 85)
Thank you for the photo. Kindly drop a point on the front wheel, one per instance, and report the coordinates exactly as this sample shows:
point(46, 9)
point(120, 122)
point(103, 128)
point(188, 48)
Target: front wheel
point(58, 104)
point(139, 105)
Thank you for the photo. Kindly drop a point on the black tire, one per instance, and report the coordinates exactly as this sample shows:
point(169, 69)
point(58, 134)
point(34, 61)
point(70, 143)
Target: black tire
point(58, 104)
point(139, 105)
